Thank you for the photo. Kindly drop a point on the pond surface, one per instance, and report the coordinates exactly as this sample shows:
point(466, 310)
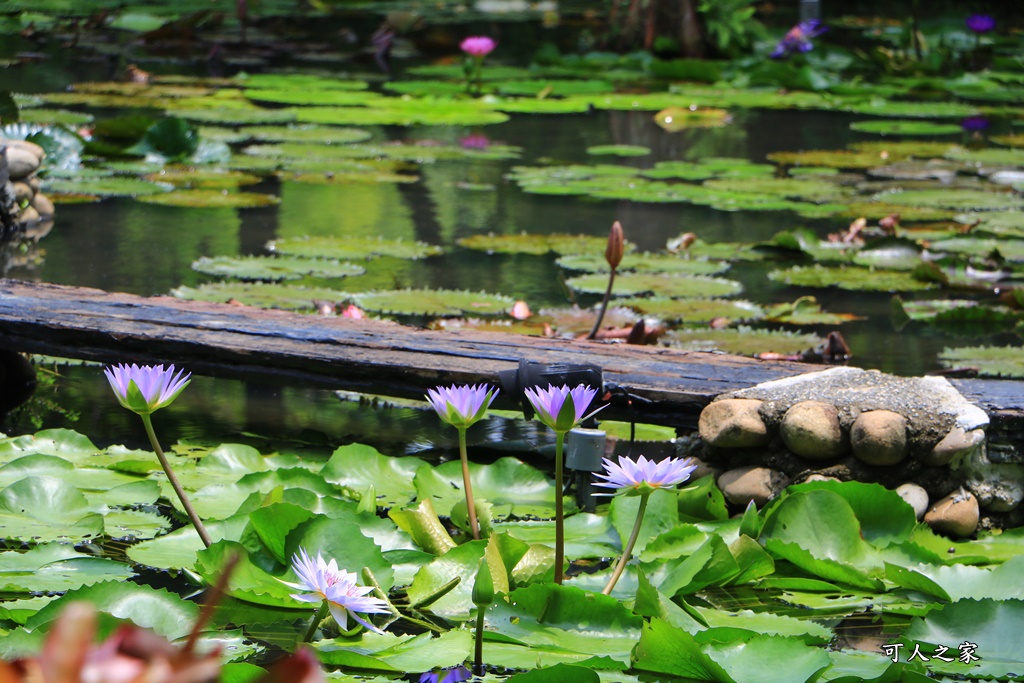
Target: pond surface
point(120, 244)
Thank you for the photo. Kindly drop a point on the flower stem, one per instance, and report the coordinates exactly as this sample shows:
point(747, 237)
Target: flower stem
point(317, 618)
point(627, 552)
point(559, 508)
point(468, 486)
point(478, 648)
point(604, 306)
point(175, 484)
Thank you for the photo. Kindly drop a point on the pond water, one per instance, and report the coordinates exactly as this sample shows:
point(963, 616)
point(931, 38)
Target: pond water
point(119, 244)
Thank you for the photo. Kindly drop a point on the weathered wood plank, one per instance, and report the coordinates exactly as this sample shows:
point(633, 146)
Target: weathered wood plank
point(338, 353)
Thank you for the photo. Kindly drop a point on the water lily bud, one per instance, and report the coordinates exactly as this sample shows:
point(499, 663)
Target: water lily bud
point(616, 246)
point(483, 588)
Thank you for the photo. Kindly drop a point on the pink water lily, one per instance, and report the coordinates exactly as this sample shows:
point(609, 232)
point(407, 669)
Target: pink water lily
point(478, 46)
point(322, 581)
point(148, 388)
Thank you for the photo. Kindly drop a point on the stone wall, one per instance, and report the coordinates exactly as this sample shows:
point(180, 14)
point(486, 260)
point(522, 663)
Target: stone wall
point(22, 205)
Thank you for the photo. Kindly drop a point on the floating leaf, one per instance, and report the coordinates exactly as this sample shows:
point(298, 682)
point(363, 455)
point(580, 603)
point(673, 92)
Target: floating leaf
point(511, 486)
point(106, 187)
point(743, 341)
point(805, 311)
point(991, 361)
point(809, 189)
point(40, 508)
point(264, 295)
point(619, 150)
point(388, 112)
point(963, 200)
point(274, 268)
point(211, 199)
point(676, 286)
point(356, 467)
point(184, 176)
point(439, 302)
point(326, 135)
point(535, 244)
point(55, 567)
point(852, 278)
point(351, 248)
point(675, 119)
point(690, 311)
point(902, 127)
point(644, 263)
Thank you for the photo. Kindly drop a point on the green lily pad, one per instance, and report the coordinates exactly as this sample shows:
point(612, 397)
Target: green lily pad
point(56, 567)
point(991, 361)
point(675, 286)
point(202, 178)
point(644, 263)
point(524, 243)
point(963, 200)
point(274, 268)
point(329, 98)
point(891, 253)
point(805, 311)
point(832, 159)
point(422, 111)
point(533, 105)
point(351, 248)
point(40, 508)
point(851, 278)
point(933, 110)
point(980, 246)
point(105, 187)
point(235, 115)
point(988, 157)
point(511, 486)
point(619, 150)
point(327, 135)
point(211, 199)
point(62, 117)
point(261, 294)
point(743, 341)
point(357, 467)
point(689, 311)
point(434, 302)
point(535, 87)
point(391, 654)
point(809, 189)
point(903, 127)
point(1009, 223)
point(675, 119)
point(299, 82)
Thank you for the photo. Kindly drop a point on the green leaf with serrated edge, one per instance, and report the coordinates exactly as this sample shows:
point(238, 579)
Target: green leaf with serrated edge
point(342, 540)
point(702, 500)
point(178, 549)
point(568, 618)
point(757, 658)
point(351, 248)
point(956, 581)
point(20, 611)
point(461, 561)
point(356, 466)
point(559, 673)
point(388, 652)
point(906, 577)
point(792, 532)
point(665, 649)
point(273, 523)
point(682, 540)
point(248, 581)
point(163, 612)
point(509, 484)
point(424, 526)
point(45, 509)
point(586, 535)
point(711, 564)
point(650, 602)
point(274, 267)
point(752, 560)
point(55, 567)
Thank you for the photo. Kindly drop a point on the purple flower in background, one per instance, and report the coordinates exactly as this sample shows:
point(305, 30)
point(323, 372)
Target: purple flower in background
point(560, 408)
point(146, 389)
point(335, 586)
point(798, 39)
point(643, 473)
point(476, 141)
point(980, 23)
point(461, 406)
point(456, 674)
point(974, 124)
point(478, 46)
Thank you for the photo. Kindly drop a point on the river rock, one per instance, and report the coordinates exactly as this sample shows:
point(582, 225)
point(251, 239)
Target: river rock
point(915, 496)
point(28, 215)
point(21, 162)
point(22, 192)
point(811, 430)
point(879, 437)
point(956, 515)
point(733, 423)
point(820, 477)
point(958, 444)
point(42, 204)
point(745, 484)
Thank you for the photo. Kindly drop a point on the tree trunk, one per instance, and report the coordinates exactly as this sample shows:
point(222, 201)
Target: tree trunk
point(691, 37)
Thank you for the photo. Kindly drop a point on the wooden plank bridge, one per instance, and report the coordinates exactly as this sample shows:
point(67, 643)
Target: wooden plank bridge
point(375, 357)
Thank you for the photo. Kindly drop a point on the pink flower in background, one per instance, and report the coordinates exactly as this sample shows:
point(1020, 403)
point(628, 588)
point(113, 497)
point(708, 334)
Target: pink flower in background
point(478, 46)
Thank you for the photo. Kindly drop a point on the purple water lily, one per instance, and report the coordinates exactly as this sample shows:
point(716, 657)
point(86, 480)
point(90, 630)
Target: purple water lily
point(456, 674)
point(798, 39)
point(322, 581)
point(148, 388)
point(974, 124)
point(643, 474)
point(461, 406)
point(560, 408)
point(980, 23)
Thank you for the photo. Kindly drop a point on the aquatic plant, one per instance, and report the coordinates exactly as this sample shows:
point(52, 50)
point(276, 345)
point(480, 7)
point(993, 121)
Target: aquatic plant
point(336, 589)
point(144, 390)
point(641, 477)
point(476, 49)
point(798, 39)
point(455, 674)
point(561, 409)
point(462, 407)
point(980, 23)
point(613, 256)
